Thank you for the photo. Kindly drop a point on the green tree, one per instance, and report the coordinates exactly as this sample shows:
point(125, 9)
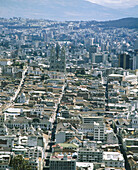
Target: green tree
point(19, 163)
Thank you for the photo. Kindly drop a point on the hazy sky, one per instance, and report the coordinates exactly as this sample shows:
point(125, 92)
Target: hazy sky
point(116, 3)
point(108, 3)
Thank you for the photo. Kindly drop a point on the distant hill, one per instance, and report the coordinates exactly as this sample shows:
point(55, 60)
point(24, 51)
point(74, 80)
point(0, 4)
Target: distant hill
point(131, 23)
point(121, 23)
point(62, 10)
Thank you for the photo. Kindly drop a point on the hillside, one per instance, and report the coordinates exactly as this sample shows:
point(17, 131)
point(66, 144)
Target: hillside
point(60, 10)
point(121, 23)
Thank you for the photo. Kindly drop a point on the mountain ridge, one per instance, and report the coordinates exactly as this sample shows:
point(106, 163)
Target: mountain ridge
point(129, 22)
point(61, 10)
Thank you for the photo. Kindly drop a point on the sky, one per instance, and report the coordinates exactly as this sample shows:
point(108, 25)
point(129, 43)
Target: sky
point(116, 3)
point(107, 3)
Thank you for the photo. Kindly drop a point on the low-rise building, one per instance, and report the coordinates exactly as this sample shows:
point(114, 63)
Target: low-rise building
point(64, 163)
point(113, 159)
point(89, 155)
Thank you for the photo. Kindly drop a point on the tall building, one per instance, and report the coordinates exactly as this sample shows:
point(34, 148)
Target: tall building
point(136, 54)
point(124, 61)
point(99, 131)
point(136, 45)
point(58, 59)
point(92, 49)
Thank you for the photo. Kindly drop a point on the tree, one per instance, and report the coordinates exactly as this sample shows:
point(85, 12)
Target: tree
point(42, 77)
point(81, 71)
point(21, 65)
point(19, 163)
point(36, 120)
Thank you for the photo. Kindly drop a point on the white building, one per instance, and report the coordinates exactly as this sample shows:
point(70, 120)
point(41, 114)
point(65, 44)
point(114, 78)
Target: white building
point(5, 158)
point(99, 131)
point(113, 159)
point(35, 152)
point(86, 120)
point(84, 165)
point(86, 128)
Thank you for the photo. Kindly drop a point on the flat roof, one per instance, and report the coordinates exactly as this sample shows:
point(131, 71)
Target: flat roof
point(13, 110)
point(113, 156)
point(115, 75)
point(84, 164)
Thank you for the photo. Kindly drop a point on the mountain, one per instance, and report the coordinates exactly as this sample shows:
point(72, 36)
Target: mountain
point(121, 23)
point(59, 10)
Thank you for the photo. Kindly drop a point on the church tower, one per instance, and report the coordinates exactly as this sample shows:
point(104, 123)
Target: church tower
point(58, 59)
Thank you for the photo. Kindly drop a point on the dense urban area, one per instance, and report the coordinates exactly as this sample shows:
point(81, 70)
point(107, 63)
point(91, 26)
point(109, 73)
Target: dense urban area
point(68, 95)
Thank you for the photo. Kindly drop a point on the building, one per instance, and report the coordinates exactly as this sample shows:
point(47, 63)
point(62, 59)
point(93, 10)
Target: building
point(8, 70)
point(34, 152)
point(5, 158)
point(91, 119)
point(136, 45)
point(130, 144)
point(134, 122)
point(89, 155)
point(84, 165)
point(61, 164)
point(63, 136)
point(99, 57)
point(99, 131)
point(113, 159)
point(126, 61)
point(22, 98)
point(58, 59)
point(5, 62)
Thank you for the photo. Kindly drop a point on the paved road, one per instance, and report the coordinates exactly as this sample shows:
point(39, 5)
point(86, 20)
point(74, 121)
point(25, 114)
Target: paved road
point(17, 91)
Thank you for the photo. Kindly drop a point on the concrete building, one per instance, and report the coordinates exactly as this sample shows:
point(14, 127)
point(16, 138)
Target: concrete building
point(89, 155)
point(99, 57)
point(113, 159)
point(134, 122)
point(5, 158)
point(5, 62)
point(99, 131)
point(61, 164)
point(91, 119)
point(125, 61)
point(63, 136)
